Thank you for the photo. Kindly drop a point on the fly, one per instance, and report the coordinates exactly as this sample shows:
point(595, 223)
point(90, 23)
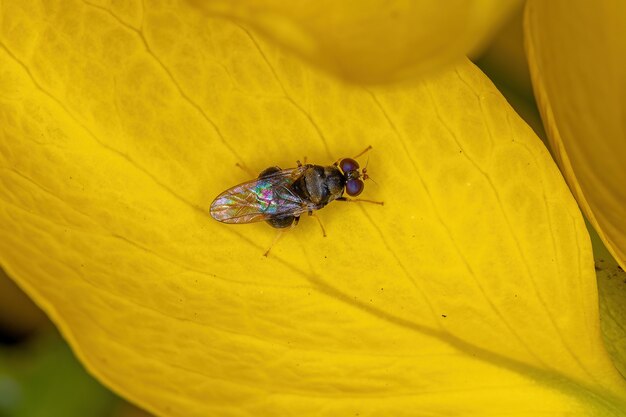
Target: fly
point(280, 196)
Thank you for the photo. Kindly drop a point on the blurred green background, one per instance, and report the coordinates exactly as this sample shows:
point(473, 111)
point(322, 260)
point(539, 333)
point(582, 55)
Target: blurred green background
point(39, 375)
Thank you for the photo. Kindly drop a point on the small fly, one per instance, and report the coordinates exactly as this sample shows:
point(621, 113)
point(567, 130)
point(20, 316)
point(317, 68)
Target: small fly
point(280, 196)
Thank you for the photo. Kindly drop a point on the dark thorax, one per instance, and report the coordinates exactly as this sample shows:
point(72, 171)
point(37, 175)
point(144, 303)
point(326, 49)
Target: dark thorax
point(320, 185)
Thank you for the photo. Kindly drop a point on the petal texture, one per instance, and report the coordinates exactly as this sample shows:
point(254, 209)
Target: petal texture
point(471, 291)
point(372, 40)
point(577, 56)
point(612, 290)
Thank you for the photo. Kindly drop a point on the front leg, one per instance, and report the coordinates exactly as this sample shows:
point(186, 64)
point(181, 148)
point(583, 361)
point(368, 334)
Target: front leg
point(359, 200)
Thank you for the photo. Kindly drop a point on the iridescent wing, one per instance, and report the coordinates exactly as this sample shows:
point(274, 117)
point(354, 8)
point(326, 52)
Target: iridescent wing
point(260, 199)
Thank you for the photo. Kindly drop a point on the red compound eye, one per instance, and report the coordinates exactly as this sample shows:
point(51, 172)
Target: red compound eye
point(348, 164)
point(354, 187)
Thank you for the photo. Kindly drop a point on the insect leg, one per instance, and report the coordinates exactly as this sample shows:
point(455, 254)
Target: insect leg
point(245, 169)
point(359, 200)
point(319, 222)
point(363, 152)
point(369, 148)
point(280, 234)
point(301, 163)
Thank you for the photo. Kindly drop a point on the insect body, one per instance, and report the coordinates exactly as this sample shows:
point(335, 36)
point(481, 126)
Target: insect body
point(281, 196)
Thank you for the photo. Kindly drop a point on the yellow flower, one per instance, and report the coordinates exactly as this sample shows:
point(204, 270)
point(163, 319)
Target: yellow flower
point(576, 56)
point(470, 292)
point(371, 40)
point(577, 59)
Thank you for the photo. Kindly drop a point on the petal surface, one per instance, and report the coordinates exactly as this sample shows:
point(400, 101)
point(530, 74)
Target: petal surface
point(612, 290)
point(470, 292)
point(373, 40)
point(577, 56)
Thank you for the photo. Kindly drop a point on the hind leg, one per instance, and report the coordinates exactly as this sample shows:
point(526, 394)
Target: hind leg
point(283, 223)
point(318, 222)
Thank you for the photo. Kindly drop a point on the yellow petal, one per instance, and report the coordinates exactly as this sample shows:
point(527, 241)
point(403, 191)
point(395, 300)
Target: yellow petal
point(612, 289)
point(578, 63)
point(372, 40)
point(505, 63)
point(470, 292)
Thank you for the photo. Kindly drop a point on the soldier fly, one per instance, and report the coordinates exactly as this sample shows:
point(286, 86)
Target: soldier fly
point(280, 196)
